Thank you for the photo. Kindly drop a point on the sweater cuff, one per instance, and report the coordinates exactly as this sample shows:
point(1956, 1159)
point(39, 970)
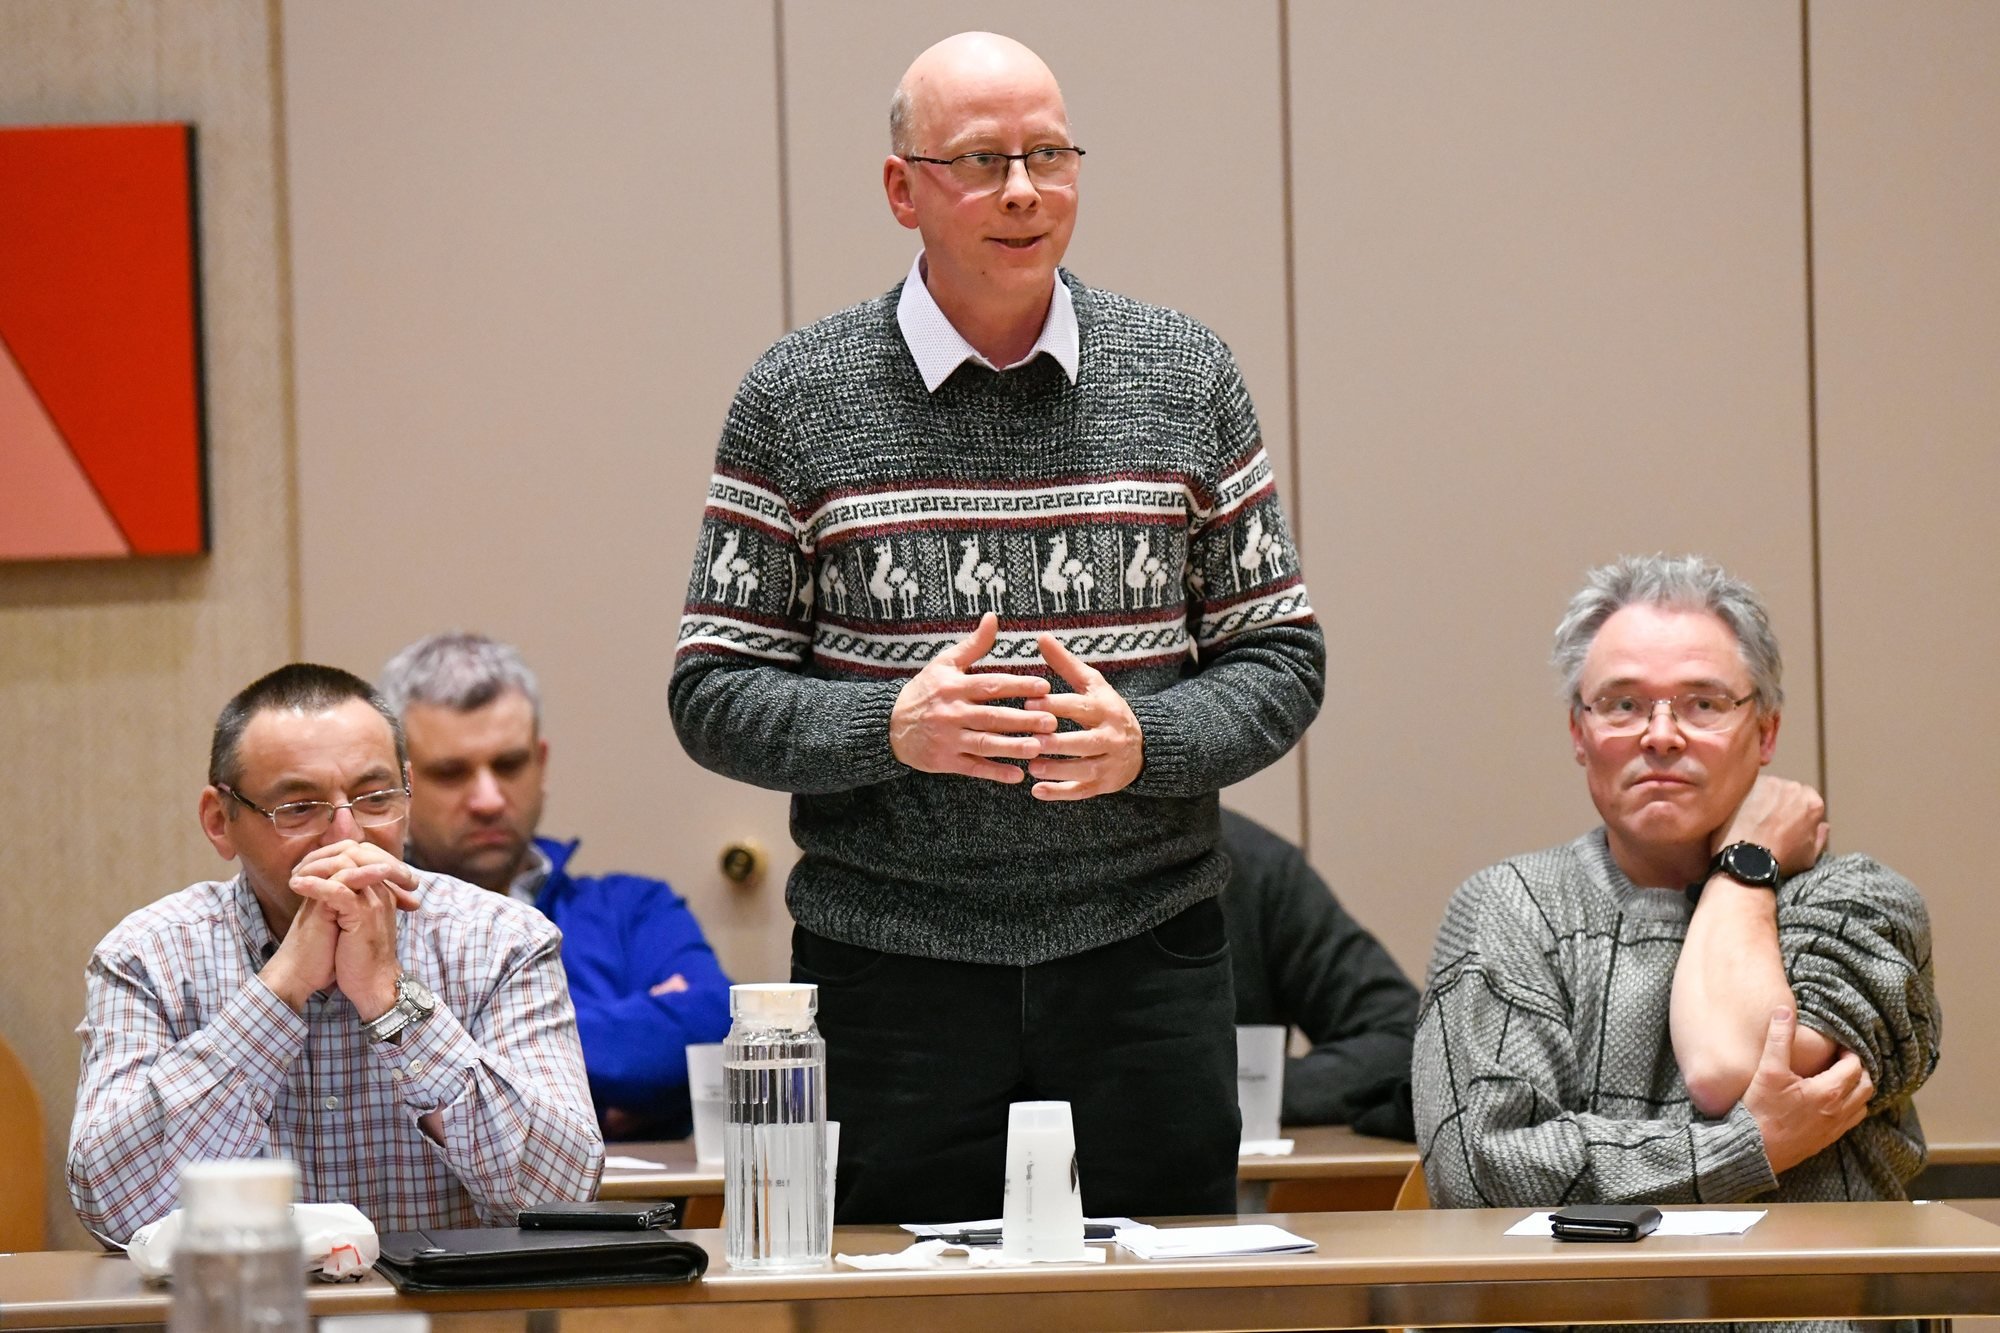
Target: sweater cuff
point(1167, 757)
point(1730, 1165)
point(867, 738)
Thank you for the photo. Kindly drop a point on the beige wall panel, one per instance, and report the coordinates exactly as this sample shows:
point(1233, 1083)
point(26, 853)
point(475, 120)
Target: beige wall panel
point(535, 247)
point(1906, 208)
point(1550, 281)
point(111, 673)
point(1182, 197)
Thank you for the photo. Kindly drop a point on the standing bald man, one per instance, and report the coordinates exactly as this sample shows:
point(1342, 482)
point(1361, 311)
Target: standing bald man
point(993, 577)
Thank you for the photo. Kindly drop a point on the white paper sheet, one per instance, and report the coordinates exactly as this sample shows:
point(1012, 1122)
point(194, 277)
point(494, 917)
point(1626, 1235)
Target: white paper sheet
point(1211, 1242)
point(930, 1254)
point(1732, 1223)
point(932, 1230)
point(632, 1164)
point(1264, 1148)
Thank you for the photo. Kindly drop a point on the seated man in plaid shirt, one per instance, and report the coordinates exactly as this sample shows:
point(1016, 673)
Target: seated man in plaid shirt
point(406, 1038)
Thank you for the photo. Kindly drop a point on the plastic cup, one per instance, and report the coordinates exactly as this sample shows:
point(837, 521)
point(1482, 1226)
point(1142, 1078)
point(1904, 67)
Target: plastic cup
point(1043, 1214)
point(832, 1164)
point(1260, 1079)
point(711, 1105)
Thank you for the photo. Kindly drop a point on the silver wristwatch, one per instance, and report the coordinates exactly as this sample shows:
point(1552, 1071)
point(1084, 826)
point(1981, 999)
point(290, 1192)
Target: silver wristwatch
point(414, 1003)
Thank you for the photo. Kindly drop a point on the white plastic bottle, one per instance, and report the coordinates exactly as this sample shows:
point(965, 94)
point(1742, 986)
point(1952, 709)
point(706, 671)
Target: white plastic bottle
point(237, 1266)
point(774, 1150)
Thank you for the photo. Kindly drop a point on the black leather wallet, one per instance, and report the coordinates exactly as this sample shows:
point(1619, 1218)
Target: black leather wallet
point(601, 1215)
point(1604, 1221)
point(491, 1258)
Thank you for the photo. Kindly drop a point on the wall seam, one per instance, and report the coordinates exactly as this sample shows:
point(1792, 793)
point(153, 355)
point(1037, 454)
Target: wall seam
point(288, 398)
point(784, 167)
point(1812, 395)
point(1293, 452)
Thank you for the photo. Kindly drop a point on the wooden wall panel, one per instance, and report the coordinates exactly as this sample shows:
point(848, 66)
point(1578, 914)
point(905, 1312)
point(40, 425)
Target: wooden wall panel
point(535, 248)
point(111, 673)
point(1550, 283)
point(1906, 205)
point(1181, 198)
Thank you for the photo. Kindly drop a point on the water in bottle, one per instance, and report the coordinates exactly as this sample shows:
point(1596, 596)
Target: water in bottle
point(774, 1157)
point(237, 1266)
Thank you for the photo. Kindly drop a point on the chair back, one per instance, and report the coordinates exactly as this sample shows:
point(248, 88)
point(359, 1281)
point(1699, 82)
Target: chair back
point(23, 1186)
point(1415, 1193)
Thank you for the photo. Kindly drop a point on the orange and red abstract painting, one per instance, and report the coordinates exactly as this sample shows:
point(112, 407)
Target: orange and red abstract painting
point(100, 345)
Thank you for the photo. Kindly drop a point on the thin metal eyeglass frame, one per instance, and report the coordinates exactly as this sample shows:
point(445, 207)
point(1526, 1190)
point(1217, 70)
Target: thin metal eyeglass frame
point(330, 807)
point(1653, 709)
point(1672, 701)
point(1011, 159)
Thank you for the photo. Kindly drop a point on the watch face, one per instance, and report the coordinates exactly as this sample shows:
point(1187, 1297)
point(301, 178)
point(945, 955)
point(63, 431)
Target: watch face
point(418, 994)
point(1752, 863)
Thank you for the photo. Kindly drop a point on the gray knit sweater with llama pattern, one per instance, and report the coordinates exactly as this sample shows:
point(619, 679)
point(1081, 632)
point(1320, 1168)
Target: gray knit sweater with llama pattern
point(857, 524)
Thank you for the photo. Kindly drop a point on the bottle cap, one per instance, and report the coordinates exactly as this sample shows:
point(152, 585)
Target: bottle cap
point(784, 1004)
point(253, 1192)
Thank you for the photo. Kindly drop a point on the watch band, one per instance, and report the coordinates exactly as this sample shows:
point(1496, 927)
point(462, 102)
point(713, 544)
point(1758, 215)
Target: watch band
point(1730, 861)
point(413, 1005)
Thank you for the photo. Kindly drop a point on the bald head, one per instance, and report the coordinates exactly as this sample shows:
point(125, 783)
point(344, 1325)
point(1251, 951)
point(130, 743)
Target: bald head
point(970, 66)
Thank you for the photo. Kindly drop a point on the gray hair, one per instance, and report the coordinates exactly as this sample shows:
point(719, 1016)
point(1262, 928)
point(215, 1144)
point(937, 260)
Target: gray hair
point(459, 671)
point(1679, 583)
point(901, 109)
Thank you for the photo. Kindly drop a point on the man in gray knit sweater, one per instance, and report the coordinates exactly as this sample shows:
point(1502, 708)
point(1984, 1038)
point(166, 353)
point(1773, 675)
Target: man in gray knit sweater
point(993, 577)
point(1690, 1004)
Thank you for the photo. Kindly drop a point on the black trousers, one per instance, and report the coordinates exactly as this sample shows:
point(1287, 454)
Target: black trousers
point(924, 1056)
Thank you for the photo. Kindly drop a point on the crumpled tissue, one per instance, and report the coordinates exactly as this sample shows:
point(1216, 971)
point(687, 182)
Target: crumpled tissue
point(930, 1254)
point(336, 1242)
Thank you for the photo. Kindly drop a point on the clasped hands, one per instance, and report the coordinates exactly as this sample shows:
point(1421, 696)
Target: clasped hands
point(950, 719)
point(344, 933)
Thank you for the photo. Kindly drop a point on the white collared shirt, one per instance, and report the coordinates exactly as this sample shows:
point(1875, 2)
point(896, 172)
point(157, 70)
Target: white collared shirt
point(938, 348)
point(527, 885)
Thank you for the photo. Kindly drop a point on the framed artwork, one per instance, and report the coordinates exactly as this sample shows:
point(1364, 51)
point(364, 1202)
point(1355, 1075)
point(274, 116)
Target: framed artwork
point(101, 446)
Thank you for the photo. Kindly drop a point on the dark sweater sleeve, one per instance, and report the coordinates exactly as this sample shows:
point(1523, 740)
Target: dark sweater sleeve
point(1260, 666)
point(1497, 1078)
point(743, 701)
point(1856, 940)
point(1331, 979)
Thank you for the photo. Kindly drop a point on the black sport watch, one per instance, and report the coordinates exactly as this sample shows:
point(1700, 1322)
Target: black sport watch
point(1744, 862)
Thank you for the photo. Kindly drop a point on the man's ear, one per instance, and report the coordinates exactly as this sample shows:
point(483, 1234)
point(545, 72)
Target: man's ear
point(896, 185)
point(1576, 737)
point(1767, 739)
point(215, 823)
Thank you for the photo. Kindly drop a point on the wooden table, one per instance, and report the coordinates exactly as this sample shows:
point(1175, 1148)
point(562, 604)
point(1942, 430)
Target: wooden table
point(1330, 1168)
point(1806, 1261)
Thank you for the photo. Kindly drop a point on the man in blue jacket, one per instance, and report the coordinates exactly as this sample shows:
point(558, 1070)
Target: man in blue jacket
point(644, 981)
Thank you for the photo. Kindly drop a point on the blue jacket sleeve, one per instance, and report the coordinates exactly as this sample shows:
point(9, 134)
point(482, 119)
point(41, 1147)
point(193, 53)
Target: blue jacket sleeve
point(636, 1025)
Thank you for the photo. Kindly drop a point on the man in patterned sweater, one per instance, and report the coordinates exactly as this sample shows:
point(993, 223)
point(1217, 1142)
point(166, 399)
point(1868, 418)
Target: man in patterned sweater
point(1690, 1004)
point(994, 578)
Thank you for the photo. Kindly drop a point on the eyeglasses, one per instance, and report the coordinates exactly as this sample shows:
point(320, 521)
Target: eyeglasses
point(301, 818)
point(1696, 710)
point(983, 173)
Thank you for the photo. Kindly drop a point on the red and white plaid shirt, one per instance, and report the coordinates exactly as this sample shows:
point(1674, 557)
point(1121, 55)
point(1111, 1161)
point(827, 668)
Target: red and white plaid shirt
point(187, 1057)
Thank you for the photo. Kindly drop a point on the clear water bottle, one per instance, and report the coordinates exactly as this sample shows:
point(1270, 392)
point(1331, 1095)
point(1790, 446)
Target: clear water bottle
point(774, 1163)
point(237, 1266)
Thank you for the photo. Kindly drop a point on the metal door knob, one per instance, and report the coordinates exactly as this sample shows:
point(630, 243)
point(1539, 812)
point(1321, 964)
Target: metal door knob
point(743, 863)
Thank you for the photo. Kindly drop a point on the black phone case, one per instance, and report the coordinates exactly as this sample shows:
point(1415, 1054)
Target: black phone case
point(600, 1215)
point(1604, 1221)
